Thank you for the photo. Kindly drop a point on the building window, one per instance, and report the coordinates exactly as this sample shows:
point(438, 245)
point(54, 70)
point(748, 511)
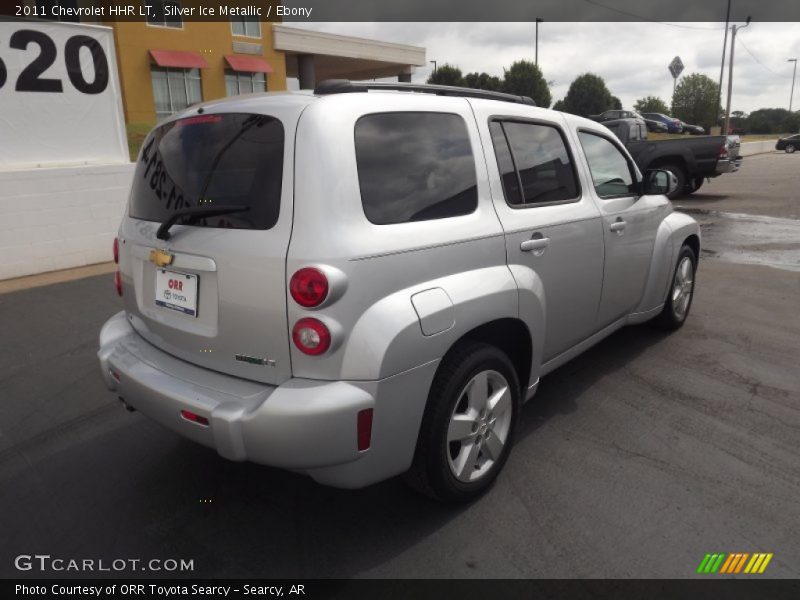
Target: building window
point(244, 83)
point(157, 13)
point(175, 89)
point(245, 26)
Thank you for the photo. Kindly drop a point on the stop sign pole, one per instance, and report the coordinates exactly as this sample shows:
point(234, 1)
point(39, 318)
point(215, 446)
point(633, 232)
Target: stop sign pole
point(675, 68)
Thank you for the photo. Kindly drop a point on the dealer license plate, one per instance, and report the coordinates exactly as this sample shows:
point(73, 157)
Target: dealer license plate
point(177, 291)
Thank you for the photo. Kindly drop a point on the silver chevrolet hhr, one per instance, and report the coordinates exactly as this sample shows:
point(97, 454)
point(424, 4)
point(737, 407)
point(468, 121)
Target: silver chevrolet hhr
point(371, 279)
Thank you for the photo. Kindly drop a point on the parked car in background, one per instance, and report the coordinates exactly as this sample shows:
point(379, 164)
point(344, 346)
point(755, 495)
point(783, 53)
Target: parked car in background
point(394, 322)
point(788, 144)
point(656, 126)
point(611, 115)
point(692, 129)
point(673, 125)
point(691, 161)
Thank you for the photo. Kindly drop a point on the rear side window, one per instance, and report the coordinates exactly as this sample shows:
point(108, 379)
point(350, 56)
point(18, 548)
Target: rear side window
point(536, 156)
point(209, 161)
point(414, 166)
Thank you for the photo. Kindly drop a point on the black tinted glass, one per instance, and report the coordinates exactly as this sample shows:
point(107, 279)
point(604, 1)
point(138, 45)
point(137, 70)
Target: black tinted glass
point(414, 166)
point(505, 164)
point(212, 160)
point(611, 172)
point(543, 162)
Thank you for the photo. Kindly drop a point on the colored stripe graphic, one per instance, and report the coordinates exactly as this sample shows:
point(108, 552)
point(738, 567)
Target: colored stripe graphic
point(765, 563)
point(727, 564)
point(718, 562)
point(736, 562)
point(741, 562)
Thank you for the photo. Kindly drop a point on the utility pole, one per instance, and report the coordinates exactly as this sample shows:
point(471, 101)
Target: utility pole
point(722, 65)
point(734, 29)
point(434, 66)
point(791, 96)
point(538, 20)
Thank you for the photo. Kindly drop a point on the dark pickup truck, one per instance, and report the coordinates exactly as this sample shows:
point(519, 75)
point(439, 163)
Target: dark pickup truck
point(691, 160)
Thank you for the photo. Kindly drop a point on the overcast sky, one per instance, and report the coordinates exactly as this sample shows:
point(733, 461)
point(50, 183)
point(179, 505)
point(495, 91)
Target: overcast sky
point(631, 57)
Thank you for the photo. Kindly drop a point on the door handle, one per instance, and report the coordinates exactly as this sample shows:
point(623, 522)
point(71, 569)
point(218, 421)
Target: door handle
point(618, 226)
point(534, 244)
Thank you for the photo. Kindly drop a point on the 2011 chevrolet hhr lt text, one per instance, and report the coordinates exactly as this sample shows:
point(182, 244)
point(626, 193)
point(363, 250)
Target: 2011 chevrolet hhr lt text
point(371, 279)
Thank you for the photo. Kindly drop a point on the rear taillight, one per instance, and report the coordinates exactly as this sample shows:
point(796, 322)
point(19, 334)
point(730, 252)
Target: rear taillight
point(364, 429)
point(723, 151)
point(116, 250)
point(309, 287)
point(311, 336)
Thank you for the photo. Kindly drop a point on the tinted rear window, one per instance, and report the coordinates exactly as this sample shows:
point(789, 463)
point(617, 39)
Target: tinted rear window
point(414, 166)
point(212, 160)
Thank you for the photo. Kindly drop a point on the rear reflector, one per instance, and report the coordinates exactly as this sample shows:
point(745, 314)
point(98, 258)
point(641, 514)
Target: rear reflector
point(115, 250)
point(118, 282)
point(194, 418)
point(364, 429)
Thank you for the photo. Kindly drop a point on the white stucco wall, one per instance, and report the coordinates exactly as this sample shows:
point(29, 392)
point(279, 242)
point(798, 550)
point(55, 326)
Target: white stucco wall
point(57, 218)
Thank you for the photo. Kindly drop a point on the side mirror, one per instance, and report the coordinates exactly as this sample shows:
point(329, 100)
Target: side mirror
point(658, 182)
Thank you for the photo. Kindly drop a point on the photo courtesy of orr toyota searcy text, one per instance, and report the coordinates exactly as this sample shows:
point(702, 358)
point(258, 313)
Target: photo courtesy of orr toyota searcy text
point(161, 591)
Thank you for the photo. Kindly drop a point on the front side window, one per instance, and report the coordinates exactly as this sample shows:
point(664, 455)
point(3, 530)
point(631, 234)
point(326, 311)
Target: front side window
point(245, 26)
point(163, 13)
point(237, 82)
point(535, 155)
point(174, 89)
point(414, 166)
point(612, 174)
point(212, 160)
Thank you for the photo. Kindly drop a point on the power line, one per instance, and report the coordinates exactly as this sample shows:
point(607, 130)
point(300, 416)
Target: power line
point(641, 18)
point(755, 58)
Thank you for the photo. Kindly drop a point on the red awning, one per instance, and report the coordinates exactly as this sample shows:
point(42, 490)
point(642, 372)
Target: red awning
point(248, 64)
point(179, 58)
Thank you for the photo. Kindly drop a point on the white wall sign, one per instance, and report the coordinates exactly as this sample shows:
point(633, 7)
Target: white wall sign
point(60, 100)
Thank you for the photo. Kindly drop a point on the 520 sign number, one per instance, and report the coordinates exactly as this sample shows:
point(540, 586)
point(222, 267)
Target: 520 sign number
point(30, 78)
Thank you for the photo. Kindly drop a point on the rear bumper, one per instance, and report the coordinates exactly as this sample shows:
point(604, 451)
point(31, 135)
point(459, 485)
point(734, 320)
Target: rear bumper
point(302, 425)
point(728, 166)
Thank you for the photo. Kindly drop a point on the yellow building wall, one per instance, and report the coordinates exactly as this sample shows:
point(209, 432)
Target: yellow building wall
point(213, 40)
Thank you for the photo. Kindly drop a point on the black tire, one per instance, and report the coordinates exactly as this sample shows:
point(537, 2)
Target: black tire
point(431, 472)
point(789, 149)
point(680, 175)
point(671, 317)
point(696, 184)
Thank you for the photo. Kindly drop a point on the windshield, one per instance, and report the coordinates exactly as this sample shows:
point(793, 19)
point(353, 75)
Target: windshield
point(208, 161)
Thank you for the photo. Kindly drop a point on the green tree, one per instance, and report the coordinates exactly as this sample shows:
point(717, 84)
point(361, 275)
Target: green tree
point(447, 74)
point(483, 81)
point(523, 78)
point(559, 106)
point(616, 104)
point(695, 100)
point(770, 120)
point(587, 95)
point(651, 104)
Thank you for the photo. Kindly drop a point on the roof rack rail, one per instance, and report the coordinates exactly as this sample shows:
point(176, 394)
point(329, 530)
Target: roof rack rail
point(345, 86)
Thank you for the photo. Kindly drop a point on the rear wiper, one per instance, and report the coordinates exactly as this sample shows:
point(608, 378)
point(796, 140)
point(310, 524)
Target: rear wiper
point(197, 212)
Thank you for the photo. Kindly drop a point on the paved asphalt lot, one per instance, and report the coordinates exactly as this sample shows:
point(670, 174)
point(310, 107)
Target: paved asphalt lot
point(634, 460)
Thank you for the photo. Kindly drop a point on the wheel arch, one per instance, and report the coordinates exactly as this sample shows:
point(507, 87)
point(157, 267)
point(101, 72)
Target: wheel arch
point(512, 336)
